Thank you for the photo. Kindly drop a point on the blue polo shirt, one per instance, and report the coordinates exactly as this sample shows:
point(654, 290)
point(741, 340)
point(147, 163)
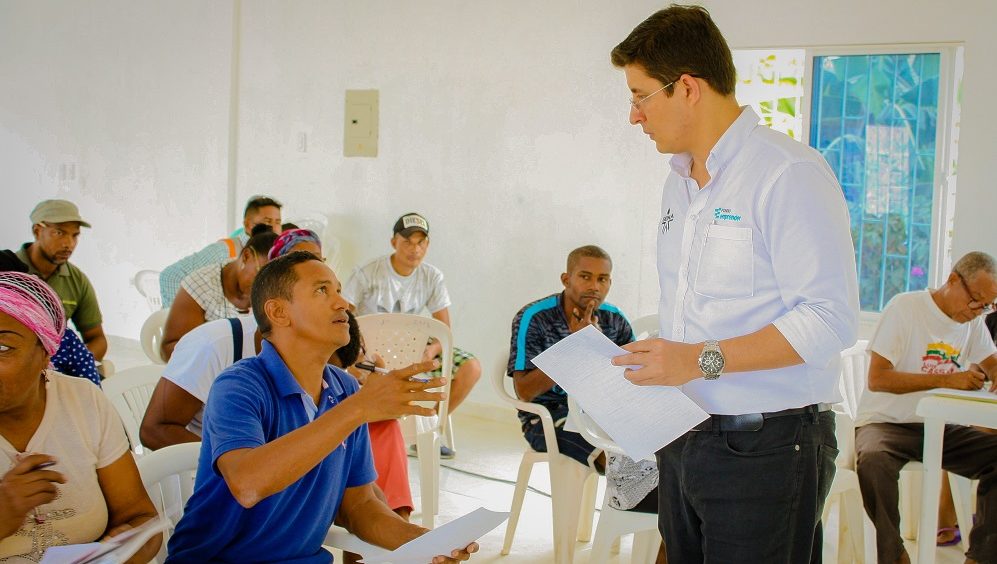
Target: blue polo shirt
point(253, 402)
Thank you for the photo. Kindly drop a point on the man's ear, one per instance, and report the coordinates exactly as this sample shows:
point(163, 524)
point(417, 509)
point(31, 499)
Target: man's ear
point(564, 279)
point(277, 313)
point(36, 230)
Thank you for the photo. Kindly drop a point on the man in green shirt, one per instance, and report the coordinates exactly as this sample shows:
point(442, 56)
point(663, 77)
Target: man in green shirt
point(56, 226)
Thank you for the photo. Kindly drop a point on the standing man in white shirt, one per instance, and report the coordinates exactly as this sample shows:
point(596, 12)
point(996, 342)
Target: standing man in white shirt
point(924, 340)
point(758, 297)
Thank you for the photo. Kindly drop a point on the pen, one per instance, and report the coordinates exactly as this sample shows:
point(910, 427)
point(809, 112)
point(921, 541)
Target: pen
point(369, 367)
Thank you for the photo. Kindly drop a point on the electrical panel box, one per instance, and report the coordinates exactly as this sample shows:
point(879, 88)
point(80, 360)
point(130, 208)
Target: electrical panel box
point(360, 131)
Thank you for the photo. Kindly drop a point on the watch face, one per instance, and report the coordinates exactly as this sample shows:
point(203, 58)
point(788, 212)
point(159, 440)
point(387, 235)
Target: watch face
point(711, 362)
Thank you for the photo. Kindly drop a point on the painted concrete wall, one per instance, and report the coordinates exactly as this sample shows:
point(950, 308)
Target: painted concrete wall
point(502, 122)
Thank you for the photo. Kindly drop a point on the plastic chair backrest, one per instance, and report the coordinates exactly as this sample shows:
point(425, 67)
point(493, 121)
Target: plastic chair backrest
point(129, 391)
point(852, 383)
point(590, 430)
point(646, 326)
point(168, 476)
point(854, 376)
point(401, 338)
point(147, 283)
point(505, 389)
point(152, 335)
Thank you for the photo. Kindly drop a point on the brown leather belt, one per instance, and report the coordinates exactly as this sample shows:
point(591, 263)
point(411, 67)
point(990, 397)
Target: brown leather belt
point(755, 421)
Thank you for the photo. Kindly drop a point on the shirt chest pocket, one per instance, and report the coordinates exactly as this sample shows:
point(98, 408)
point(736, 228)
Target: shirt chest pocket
point(726, 269)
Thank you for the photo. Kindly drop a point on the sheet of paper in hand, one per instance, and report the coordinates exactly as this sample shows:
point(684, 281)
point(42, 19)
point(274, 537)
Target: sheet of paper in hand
point(641, 419)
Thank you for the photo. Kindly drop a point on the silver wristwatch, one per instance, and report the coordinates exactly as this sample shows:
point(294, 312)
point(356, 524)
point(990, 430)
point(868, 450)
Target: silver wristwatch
point(711, 360)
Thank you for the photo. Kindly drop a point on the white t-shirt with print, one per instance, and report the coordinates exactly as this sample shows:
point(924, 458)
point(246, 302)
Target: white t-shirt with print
point(916, 336)
point(377, 288)
point(81, 430)
point(202, 354)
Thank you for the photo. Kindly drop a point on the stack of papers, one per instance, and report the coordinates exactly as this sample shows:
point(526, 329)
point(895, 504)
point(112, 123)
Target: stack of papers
point(443, 540)
point(640, 419)
point(113, 551)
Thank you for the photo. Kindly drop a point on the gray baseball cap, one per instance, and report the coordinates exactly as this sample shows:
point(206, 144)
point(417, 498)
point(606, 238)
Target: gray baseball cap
point(57, 211)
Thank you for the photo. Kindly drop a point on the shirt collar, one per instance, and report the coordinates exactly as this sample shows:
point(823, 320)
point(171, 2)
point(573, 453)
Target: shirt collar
point(61, 270)
point(285, 382)
point(940, 315)
point(726, 148)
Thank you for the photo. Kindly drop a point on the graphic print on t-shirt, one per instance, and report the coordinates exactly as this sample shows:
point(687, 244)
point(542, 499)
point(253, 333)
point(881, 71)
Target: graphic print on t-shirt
point(940, 358)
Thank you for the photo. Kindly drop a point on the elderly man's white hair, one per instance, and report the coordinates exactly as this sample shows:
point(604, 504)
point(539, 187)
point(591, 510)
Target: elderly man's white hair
point(974, 262)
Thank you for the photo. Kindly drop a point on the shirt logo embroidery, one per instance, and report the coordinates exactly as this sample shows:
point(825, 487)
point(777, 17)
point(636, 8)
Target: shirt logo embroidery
point(725, 214)
point(940, 358)
point(666, 220)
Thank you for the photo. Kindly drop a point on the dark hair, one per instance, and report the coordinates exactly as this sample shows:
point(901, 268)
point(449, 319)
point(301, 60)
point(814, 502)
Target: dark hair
point(10, 263)
point(275, 280)
point(262, 239)
point(257, 202)
point(349, 353)
point(679, 40)
point(287, 226)
point(590, 251)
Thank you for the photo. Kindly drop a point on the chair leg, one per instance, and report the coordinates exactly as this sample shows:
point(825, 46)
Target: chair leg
point(851, 528)
point(428, 451)
point(587, 512)
point(448, 437)
point(910, 503)
point(962, 497)
point(645, 549)
point(522, 481)
point(607, 538)
point(567, 479)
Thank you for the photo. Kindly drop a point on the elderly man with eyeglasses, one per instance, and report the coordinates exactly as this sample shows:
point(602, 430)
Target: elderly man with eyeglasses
point(929, 339)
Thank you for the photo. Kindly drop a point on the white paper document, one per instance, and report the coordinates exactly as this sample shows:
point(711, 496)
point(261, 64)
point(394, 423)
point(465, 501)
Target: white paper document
point(442, 540)
point(112, 551)
point(641, 419)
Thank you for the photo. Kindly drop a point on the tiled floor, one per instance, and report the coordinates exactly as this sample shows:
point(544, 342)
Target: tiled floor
point(483, 475)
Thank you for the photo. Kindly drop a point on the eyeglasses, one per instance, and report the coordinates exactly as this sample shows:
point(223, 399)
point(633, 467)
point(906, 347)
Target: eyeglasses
point(984, 307)
point(635, 103)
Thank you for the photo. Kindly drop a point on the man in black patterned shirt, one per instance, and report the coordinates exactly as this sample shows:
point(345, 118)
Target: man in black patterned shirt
point(541, 324)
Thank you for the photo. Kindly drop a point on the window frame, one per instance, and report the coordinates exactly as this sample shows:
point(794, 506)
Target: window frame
point(946, 141)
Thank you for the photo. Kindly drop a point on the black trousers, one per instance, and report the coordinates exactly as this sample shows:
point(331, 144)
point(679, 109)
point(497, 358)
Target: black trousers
point(747, 496)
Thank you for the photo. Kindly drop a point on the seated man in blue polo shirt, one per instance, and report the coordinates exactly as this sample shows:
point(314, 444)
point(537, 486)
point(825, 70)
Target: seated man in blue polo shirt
point(285, 445)
point(541, 324)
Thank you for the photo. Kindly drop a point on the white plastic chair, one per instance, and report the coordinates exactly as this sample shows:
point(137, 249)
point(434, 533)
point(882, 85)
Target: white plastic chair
point(614, 523)
point(573, 485)
point(152, 335)
point(400, 339)
point(147, 284)
point(646, 326)
point(168, 475)
point(129, 391)
point(853, 383)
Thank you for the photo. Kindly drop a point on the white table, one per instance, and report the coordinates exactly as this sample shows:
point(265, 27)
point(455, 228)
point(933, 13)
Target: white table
point(937, 411)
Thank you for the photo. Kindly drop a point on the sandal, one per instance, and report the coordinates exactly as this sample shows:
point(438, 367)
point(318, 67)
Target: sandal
point(956, 537)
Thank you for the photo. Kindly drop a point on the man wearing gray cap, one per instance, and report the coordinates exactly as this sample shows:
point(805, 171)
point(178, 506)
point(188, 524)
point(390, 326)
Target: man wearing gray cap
point(56, 226)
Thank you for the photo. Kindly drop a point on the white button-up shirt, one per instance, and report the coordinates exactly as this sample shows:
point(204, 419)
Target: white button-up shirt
point(766, 241)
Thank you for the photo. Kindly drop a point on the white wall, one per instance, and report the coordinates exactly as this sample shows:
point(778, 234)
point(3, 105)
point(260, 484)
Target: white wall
point(502, 122)
point(135, 94)
point(506, 129)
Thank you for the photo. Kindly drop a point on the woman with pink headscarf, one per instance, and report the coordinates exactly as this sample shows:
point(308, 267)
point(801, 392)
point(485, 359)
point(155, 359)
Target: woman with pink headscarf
point(66, 473)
